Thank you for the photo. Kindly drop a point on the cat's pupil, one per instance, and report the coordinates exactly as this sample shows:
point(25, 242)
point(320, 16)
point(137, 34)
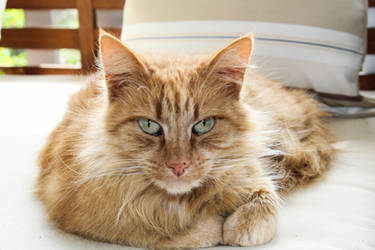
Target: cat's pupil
point(148, 123)
point(204, 122)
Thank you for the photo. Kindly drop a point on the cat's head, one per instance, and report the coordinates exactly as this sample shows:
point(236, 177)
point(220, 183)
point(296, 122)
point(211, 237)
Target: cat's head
point(179, 121)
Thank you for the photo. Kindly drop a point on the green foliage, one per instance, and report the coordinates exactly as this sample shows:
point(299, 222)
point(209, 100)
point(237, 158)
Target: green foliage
point(13, 18)
point(69, 56)
point(12, 57)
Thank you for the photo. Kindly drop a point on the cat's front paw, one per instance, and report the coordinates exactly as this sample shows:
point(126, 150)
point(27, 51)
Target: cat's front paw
point(248, 228)
point(206, 232)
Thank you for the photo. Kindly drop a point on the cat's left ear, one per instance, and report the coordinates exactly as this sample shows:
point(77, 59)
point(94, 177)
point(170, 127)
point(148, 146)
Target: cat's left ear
point(231, 62)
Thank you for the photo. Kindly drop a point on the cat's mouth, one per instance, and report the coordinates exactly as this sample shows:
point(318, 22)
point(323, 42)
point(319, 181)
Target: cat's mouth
point(177, 185)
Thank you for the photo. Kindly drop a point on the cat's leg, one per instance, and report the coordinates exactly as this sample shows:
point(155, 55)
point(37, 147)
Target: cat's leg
point(255, 222)
point(205, 232)
point(306, 159)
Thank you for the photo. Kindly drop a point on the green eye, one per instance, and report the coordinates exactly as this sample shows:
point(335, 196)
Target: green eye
point(150, 127)
point(204, 126)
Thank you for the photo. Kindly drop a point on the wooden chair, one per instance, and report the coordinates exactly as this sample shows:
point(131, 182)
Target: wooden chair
point(367, 82)
point(85, 38)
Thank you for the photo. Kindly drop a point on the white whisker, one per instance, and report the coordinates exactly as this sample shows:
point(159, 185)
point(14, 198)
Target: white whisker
point(66, 165)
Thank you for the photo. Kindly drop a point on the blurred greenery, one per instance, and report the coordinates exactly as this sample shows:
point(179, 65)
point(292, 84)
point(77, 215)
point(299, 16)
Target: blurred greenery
point(12, 57)
point(15, 18)
point(69, 56)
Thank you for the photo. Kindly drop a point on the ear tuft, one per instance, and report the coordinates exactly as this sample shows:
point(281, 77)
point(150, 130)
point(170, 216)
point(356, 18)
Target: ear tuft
point(242, 47)
point(116, 57)
point(231, 62)
point(235, 56)
point(121, 65)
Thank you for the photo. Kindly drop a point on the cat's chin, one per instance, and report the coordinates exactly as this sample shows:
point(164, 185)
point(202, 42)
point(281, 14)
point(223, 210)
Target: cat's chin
point(177, 186)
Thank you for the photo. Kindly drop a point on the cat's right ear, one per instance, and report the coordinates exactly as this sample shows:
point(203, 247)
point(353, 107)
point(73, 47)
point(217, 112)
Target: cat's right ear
point(121, 65)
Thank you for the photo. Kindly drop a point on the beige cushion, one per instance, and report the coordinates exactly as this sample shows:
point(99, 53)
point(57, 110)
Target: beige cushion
point(317, 45)
point(343, 15)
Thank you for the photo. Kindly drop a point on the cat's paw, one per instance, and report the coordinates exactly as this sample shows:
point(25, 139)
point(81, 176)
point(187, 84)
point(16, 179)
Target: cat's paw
point(249, 229)
point(206, 232)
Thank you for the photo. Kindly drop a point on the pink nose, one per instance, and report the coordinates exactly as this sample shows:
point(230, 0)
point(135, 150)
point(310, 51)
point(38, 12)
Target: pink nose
point(178, 166)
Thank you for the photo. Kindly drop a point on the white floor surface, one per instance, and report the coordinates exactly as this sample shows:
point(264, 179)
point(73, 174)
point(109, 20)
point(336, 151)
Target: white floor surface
point(337, 213)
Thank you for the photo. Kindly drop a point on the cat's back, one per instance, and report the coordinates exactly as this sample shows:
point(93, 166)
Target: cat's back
point(289, 107)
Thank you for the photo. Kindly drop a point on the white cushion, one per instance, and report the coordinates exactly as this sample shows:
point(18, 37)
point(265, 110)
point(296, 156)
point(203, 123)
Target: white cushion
point(317, 45)
point(336, 213)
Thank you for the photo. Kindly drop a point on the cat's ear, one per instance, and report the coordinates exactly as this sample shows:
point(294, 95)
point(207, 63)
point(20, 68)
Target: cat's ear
point(121, 65)
point(231, 62)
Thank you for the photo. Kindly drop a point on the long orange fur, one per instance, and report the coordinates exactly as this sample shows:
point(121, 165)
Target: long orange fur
point(103, 178)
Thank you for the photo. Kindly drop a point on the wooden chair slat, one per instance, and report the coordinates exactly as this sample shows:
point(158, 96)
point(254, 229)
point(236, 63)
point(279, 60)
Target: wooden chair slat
point(108, 4)
point(87, 38)
point(41, 4)
point(39, 70)
point(40, 38)
point(371, 41)
point(367, 82)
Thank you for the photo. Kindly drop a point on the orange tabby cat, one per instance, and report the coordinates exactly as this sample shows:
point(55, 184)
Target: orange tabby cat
point(185, 152)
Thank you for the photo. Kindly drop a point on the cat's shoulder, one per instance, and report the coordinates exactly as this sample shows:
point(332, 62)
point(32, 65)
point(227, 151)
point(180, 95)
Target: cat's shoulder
point(90, 94)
